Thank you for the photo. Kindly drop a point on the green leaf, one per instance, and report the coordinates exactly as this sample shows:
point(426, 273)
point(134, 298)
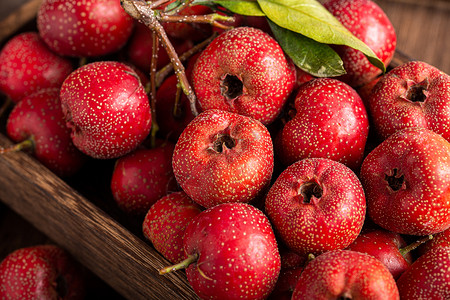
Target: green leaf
point(311, 19)
point(173, 5)
point(242, 7)
point(313, 57)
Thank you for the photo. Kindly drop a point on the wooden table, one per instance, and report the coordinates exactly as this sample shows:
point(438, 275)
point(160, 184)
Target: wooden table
point(422, 30)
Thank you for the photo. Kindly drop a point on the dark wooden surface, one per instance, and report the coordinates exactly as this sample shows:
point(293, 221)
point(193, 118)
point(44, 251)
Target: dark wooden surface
point(423, 33)
point(101, 243)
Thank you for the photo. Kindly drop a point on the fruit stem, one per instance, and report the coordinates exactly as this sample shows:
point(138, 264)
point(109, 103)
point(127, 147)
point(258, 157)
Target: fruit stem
point(164, 71)
point(415, 244)
point(153, 64)
point(176, 107)
point(144, 13)
point(25, 144)
point(82, 61)
point(181, 265)
point(214, 19)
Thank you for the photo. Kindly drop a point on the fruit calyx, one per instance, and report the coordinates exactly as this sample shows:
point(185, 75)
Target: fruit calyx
point(344, 296)
point(231, 87)
point(395, 180)
point(417, 92)
point(308, 190)
point(223, 142)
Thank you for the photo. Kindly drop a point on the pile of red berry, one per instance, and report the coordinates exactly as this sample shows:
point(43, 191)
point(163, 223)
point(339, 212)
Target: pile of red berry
point(259, 178)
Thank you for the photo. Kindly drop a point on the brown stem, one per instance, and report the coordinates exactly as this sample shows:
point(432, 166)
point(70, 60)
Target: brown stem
point(164, 71)
point(179, 8)
point(176, 106)
point(142, 12)
point(213, 19)
point(82, 61)
point(153, 64)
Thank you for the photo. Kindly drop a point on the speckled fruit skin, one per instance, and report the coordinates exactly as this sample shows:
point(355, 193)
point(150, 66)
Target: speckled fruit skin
point(84, 28)
point(39, 117)
point(439, 239)
point(414, 94)
point(41, 272)
point(407, 182)
point(237, 253)
point(345, 274)
point(428, 277)
point(244, 71)
point(316, 205)
point(329, 121)
point(385, 246)
point(223, 157)
point(107, 108)
point(165, 223)
point(368, 22)
point(142, 177)
point(27, 65)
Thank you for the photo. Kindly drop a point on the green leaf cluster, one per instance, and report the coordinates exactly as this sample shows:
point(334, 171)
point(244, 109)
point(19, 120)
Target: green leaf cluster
point(305, 29)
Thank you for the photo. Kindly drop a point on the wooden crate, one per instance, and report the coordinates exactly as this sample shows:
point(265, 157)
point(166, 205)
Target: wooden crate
point(93, 230)
point(80, 215)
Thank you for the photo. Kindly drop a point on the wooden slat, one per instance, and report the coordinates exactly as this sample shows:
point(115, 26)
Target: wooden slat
point(24, 14)
point(104, 246)
point(422, 29)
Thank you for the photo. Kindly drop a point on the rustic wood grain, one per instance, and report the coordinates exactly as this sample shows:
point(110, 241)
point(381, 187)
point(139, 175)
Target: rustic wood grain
point(422, 28)
point(17, 18)
point(104, 246)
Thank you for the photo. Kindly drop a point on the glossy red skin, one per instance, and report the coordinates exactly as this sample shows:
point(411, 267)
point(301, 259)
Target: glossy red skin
point(27, 65)
point(35, 272)
point(142, 177)
point(165, 223)
point(140, 47)
point(439, 239)
point(421, 204)
point(345, 274)
point(107, 108)
point(258, 61)
point(84, 28)
point(368, 22)
point(331, 221)
point(427, 278)
point(385, 246)
point(329, 121)
point(237, 174)
point(39, 117)
point(190, 31)
point(237, 253)
point(391, 109)
point(171, 125)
